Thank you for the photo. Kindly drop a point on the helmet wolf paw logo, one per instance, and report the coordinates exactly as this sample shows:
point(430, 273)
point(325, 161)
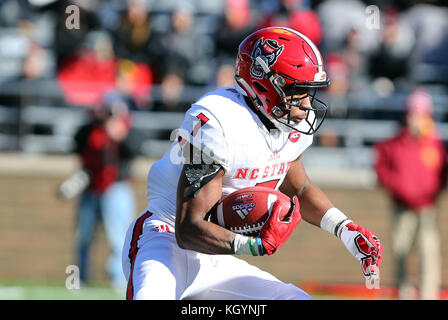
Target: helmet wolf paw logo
point(269, 51)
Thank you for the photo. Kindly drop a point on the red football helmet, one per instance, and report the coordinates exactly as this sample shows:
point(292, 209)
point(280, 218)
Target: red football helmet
point(275, 63)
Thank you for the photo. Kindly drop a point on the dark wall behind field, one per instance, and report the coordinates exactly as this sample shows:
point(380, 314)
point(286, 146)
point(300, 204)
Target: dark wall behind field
point(37, 230)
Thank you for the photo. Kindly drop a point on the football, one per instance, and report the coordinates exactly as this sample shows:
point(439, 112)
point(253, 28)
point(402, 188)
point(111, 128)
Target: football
point(246, 210)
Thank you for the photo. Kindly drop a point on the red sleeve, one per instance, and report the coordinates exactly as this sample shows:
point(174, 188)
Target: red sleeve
point(384, 167)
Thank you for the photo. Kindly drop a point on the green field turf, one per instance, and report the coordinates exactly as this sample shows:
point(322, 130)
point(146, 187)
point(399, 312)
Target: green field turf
point(39, 292)
point(49, 292)
point(15, 289)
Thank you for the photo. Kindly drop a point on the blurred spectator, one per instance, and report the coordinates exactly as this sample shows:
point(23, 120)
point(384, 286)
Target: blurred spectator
point(184, 48)
point(356, 58)
point(87, 74)
point(429, 22)
point(412, 168)
point(34, 65)
point(91, 72)
point(308, 23)
point(392, 58)
point(23, 88)
point(106, 147)
point(339, 73)
point(13, 12)
point(329, 138)
point(69, 41)
point(181, 44)
point(347, 69)
point(171, 90)
point(225, 75)
point(235, 25)
point(338, 19)
point(133, 34)
point(134, 80)
point(295, 14)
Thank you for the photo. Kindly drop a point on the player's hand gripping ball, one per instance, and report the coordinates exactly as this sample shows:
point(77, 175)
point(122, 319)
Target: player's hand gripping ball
point(259, 212)
point(246, 210)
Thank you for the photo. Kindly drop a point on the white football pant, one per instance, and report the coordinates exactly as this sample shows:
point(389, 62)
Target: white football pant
point(158, 269)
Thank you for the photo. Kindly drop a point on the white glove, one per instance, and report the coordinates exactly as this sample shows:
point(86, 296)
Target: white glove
point(364, 246)
point(359, 241)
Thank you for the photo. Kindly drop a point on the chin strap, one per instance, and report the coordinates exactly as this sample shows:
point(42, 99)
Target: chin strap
point(244, 88)
point(267, 123)
point(276, 81)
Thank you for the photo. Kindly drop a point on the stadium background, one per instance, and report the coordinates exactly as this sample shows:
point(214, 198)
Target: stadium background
point(165, 54)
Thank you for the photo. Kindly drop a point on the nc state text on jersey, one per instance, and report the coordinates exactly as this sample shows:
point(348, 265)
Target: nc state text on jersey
point(276, 169)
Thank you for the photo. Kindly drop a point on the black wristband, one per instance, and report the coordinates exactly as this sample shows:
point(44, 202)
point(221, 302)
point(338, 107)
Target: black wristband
point(336, 230)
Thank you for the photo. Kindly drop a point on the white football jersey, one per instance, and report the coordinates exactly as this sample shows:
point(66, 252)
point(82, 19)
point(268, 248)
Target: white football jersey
point(223, 126)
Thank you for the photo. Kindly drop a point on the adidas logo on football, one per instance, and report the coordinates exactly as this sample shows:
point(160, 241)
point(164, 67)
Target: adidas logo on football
point(243, 209)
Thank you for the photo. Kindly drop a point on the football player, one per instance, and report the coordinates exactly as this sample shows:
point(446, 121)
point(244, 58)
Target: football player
point(248, 135)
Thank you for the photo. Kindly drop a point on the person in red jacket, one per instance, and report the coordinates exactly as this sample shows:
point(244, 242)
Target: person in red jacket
point(412, 168)
point(106, 146)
